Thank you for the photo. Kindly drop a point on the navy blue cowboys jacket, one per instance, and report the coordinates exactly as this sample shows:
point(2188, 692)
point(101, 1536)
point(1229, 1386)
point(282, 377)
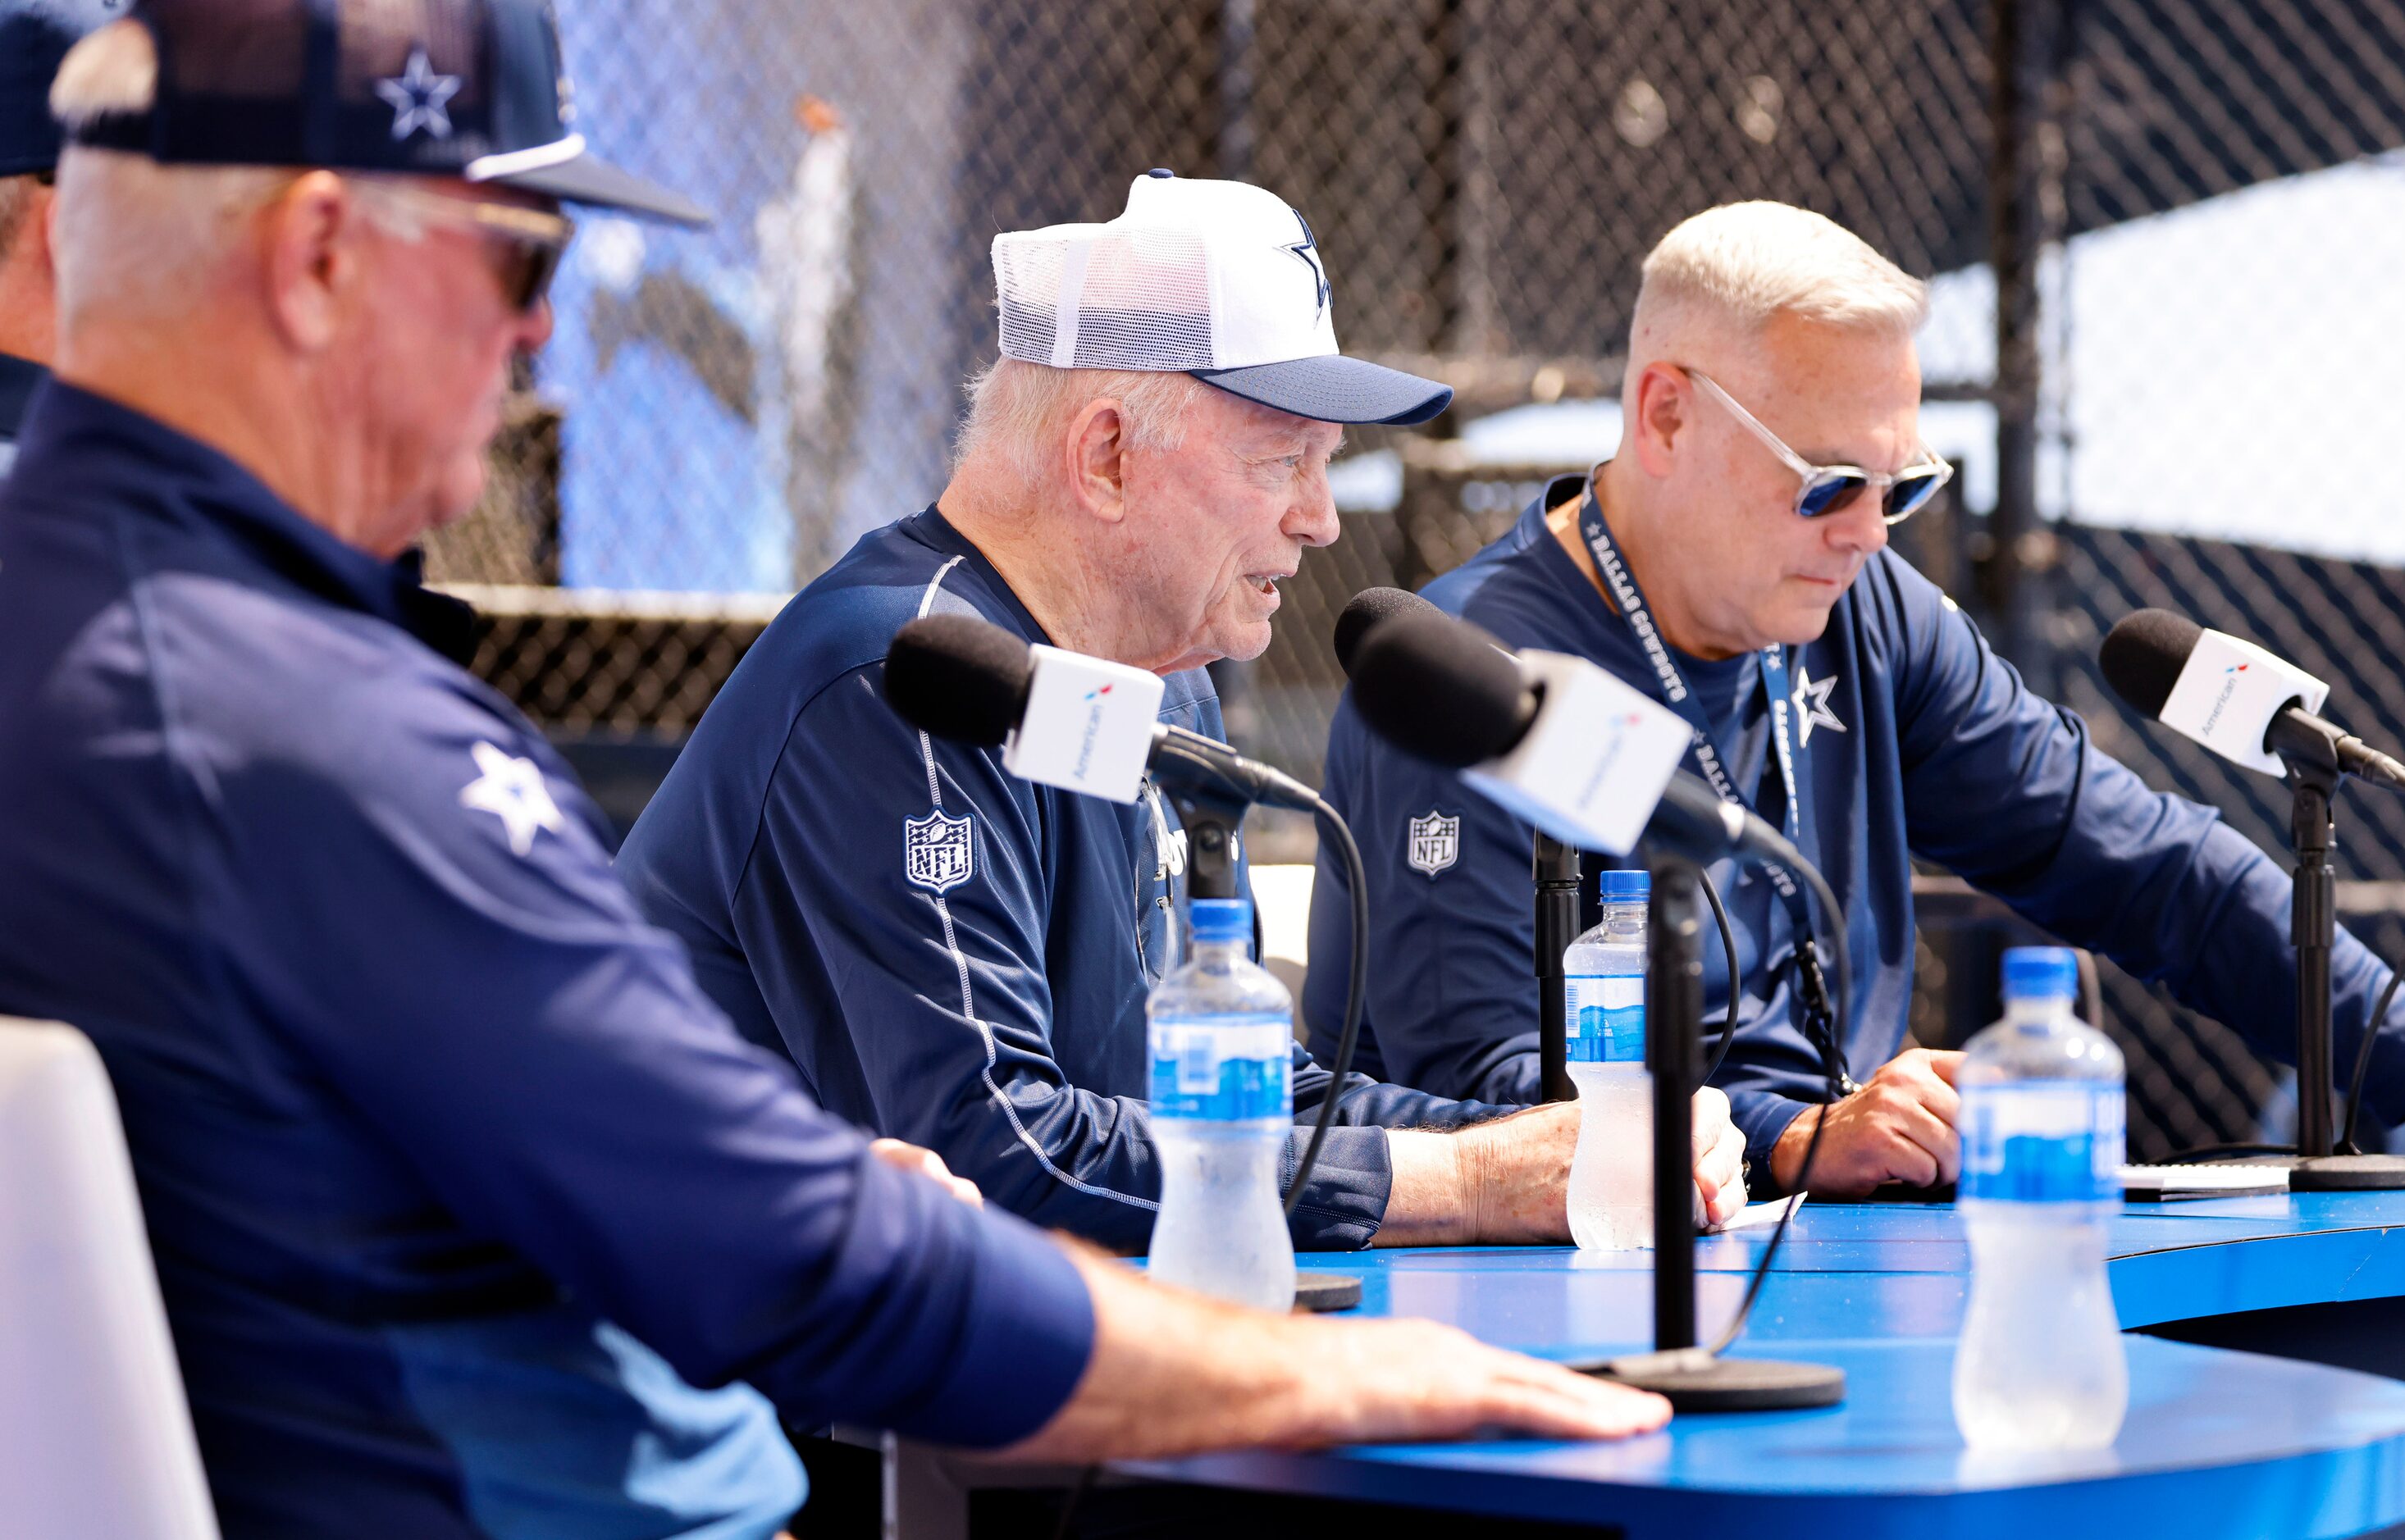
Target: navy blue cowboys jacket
point(460, 1189)
point(954, 956)
point(1922, 742)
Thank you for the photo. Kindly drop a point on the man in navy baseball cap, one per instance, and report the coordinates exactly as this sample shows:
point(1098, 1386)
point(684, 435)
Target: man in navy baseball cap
point(473, 1218)
point(35, 35)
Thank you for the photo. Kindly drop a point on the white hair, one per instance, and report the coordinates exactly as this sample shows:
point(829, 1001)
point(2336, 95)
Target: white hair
point(1016, 410)
point(1738, 266)
point(130, 231)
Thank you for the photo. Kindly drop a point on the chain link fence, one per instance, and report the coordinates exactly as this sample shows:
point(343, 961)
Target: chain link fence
point(2192, 210)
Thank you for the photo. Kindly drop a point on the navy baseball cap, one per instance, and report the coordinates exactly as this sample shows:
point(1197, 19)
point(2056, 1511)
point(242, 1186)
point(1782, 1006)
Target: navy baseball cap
point(35, 35)
point(472, 88)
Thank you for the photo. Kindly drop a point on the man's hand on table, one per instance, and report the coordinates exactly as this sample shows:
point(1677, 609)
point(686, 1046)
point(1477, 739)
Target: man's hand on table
point(926, 1163)
point(1507, 1183)
point(1174, 1373)
point(1898, 1127)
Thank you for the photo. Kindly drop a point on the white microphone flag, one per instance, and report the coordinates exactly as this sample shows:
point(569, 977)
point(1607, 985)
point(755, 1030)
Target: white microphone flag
point(1088, 726)
point(2228, 691)
point(1595, 761)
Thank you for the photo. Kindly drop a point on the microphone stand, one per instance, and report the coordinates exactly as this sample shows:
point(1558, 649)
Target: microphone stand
point(1557, 915)
point(2314, 776)
point(1693, 1379)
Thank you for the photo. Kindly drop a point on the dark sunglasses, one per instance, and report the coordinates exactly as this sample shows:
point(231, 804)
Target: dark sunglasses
point(530, 242)
point(1832, 488)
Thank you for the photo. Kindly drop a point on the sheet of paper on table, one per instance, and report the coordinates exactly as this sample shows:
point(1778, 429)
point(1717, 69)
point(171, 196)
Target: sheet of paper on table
point(1755, 1215)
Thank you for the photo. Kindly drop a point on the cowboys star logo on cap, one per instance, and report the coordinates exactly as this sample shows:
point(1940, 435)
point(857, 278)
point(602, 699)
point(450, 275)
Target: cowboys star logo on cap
point(417, 95)
point(1306, 251)
point(1199, 277)
point(938, 853)
point(1435, 842)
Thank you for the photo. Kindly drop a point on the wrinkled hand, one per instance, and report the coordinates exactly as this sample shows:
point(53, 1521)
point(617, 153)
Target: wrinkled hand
point(1720, 1160)
point(1515, 1172)
point(1415, 1380)
point(1898, 1127)
point(1516, 1175)
point(926, 1163)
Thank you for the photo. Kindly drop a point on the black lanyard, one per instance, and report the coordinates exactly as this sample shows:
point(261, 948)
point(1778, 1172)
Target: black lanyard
point(1820, 1022)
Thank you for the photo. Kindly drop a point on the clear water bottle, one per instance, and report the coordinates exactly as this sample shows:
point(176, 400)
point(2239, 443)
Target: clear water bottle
point(2040, 1364)
point(1612, 1174)
point(1222, 1031)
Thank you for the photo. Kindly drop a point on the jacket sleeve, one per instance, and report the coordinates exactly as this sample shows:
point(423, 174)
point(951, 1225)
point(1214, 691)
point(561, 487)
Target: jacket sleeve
point(1453, 990)
point(444, 935)
point(2009, 791)
point(941, 981)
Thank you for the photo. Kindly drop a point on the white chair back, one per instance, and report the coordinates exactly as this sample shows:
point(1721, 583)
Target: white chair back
point(95, 1439)
point(1283, 896)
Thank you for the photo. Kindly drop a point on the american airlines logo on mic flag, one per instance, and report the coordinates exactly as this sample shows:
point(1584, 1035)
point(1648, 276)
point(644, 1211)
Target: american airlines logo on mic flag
point(2227, 692)
point(1087, 727)
point(2229, 688)
point(1594, 763)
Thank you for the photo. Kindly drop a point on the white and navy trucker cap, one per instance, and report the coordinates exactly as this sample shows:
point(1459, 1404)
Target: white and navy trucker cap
point(1219, 280)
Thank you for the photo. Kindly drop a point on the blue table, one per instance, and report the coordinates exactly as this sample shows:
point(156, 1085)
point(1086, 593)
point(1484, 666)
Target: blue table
point(2216, 1442)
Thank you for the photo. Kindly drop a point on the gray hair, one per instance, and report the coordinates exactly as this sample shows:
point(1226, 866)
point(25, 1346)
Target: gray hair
point(130, 231)
point(1741, 264)
point(1017, 409)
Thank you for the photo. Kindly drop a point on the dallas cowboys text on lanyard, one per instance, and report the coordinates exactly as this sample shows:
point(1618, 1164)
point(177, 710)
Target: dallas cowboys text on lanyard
point(1820, 1021)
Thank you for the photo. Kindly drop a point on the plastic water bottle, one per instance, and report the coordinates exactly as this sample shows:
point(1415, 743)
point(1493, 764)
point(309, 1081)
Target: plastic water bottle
point(2040, 1364)
point(1611, 1172)
point(1222, 1032)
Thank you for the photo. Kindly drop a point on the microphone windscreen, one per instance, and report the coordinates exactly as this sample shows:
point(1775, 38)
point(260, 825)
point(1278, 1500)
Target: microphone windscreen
point(1439, 689)
point(2142, 656)
point(958, 677)
point(1369, 606)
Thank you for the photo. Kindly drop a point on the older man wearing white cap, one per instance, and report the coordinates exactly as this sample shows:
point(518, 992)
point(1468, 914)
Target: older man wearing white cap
point(1137, 474)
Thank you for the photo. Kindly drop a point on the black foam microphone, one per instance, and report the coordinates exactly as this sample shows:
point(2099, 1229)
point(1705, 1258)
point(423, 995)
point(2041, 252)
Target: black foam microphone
point(1366, 609)
point(958, 677)
point(1445, 691)
point(2231, 695)
point(967, 681)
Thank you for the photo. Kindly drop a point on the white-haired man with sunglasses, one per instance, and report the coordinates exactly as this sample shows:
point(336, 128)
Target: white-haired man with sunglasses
point(1732, 560)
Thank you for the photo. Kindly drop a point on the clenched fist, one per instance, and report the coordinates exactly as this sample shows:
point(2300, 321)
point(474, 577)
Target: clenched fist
point(1899, 1127)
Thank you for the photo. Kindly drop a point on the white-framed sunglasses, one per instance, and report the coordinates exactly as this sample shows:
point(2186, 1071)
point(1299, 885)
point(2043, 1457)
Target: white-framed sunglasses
point(1832, 489)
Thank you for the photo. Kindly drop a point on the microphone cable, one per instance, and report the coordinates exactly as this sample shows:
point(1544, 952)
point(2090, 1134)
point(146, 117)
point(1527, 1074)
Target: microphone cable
point(1357, 989)
point(1728, 948)
point(1845, 982)
point(2346, 1144)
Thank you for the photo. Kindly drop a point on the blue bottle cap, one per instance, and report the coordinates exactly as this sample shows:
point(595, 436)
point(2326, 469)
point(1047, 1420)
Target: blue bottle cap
point(1625, 887)
point(2041, 973)
point(1221, 919)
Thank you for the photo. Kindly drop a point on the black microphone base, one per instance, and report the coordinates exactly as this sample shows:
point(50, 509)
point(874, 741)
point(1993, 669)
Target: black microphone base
point(2340, 1174)
point(1317, 1294)
point(1693, 1380)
